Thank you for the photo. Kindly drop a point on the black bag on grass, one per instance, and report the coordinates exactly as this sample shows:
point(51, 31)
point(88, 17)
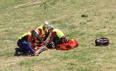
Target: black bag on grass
point(102, 41)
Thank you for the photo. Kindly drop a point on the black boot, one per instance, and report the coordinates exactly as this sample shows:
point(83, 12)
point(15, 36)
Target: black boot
point(17, 52)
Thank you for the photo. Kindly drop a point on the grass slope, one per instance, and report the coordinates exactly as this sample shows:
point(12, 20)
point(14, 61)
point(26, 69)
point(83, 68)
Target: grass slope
point(20, 16)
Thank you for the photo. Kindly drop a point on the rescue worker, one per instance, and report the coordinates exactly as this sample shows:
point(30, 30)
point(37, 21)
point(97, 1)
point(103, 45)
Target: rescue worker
point(43, 33)
point(26, 43)
point(42, 30)
point(55, 37)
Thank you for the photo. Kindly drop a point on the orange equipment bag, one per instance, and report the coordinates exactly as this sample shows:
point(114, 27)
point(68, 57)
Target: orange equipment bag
point(70, 44)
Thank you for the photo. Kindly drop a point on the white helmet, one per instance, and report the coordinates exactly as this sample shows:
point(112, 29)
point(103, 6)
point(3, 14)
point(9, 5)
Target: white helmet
point(50, 27)
point(47, 25)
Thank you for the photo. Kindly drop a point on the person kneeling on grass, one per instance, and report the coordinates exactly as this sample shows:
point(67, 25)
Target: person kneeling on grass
point(55, 37)
point(56, 40)
point(27, 43)
point(42, 30)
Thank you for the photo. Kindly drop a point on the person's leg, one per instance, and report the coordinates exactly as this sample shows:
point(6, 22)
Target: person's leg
point(30, 49)
point(18, 50)
point(63, 40)
point(56, 41)
point(25, 47)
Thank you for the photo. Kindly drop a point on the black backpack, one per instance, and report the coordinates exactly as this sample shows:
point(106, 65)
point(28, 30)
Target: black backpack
point(102, 41)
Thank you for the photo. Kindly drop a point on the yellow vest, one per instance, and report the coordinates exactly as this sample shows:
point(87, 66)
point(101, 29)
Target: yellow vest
point(41, 27)
point(58, 33)
point(28, 33)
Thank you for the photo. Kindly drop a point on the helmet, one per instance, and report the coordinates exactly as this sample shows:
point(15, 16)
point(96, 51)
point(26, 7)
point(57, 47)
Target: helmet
point(47, 25)
point(34, 33)
point(50, 27)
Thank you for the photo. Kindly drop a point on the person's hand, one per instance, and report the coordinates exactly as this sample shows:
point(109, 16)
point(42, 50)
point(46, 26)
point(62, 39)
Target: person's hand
point(53, 44)
point(40, 50)
point(36, 54)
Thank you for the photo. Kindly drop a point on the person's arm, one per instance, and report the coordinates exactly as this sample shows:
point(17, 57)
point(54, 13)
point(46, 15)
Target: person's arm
point(49, 39)
point(42, 48)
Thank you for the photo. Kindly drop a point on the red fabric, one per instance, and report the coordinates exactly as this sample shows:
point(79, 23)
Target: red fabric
point(65, 46)
point(53, 35)
point(72, 43)
point(41, 34)
point(69, 45)
point(29, 38)
point(32, 40)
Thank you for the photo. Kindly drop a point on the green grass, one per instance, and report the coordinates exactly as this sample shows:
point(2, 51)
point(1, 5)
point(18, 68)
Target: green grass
point(20, 16)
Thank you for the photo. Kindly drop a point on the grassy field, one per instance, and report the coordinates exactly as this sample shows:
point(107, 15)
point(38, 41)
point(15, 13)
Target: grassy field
point(20, 16)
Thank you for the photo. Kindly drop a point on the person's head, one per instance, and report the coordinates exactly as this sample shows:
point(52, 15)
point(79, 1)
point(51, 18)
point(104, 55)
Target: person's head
point(45, 25)
point(34, 34)
point(50, 28)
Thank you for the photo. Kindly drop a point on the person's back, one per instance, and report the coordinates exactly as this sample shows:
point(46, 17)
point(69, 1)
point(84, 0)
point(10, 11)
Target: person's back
point(56, 37)
point(25, 36)
point(28, 37)
point(58, 33)
point(26, 43)
point(42, 30)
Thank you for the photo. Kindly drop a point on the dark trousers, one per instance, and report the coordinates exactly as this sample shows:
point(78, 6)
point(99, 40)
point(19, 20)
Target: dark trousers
point(56, 40)
point(25, 46)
